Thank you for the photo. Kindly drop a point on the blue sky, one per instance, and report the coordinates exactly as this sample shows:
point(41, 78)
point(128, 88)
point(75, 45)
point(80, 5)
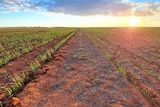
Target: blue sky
point(78, 13)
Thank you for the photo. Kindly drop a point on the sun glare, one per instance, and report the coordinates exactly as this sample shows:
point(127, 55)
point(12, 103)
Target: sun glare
point(133, 21)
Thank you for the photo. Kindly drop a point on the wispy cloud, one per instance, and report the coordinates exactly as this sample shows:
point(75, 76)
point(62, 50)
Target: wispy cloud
point(147, 9)
point(85, 7)
point(14, 5)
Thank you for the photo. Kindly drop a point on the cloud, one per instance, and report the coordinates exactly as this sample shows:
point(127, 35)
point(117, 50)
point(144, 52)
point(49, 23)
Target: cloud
point(84, 7)
point(14, 5)
point(147, 9)
point(87, 7)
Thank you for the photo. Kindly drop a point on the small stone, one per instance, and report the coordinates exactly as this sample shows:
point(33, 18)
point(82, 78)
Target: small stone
point(2, 96)
point(15, 100)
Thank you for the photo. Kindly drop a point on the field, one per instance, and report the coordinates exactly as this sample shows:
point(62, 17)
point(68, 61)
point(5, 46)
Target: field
point(87, 67)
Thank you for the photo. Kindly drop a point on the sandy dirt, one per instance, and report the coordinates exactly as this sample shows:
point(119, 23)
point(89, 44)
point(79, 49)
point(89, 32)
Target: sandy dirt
point(80, 75)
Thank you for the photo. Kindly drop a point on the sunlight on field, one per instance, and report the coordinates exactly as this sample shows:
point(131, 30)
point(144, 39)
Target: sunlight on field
point(133, 22)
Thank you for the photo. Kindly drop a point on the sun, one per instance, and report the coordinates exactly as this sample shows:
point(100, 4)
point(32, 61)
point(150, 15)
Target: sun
point(133, 22)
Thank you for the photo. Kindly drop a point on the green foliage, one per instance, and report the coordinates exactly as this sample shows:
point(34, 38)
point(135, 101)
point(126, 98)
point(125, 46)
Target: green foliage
point(63, 41)
point(24, 76)
point(1, 104)
point(7, 75)
point(121, 69)
point(16, 42)
point(26, 50)
point(48, 53)
point(146, 93)
point(44, 57)
point(1, 62)
point(9, 91)
point(159, 78)
point(34, 66)
point(1, 47)
point(16, 81)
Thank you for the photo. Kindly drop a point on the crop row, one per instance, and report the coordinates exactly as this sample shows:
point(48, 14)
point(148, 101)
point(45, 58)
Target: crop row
point(15, 44)
point(18, 81)
point(144, 40)
point(135, 55)
point(123, 60)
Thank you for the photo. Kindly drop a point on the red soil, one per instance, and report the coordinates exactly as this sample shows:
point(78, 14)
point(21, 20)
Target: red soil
point(79, 75)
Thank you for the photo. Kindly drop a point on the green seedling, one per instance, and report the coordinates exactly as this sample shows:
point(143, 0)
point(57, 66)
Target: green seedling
point(25, 50)
point(1, 62)
point(121, 69)
point(51, 51)
point(44, 57)
point(34, 66)
point(146, 93)
point(1, 104)
point(7, 75)
point(9, 91)
point(149, 95)
point(24, 76)
point(17, 82)
point(159, 78)
point(48, 53)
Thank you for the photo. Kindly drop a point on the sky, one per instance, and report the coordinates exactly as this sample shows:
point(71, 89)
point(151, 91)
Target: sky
point(79, 13)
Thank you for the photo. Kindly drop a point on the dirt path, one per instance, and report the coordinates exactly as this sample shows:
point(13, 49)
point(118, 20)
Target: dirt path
point(80, 76)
